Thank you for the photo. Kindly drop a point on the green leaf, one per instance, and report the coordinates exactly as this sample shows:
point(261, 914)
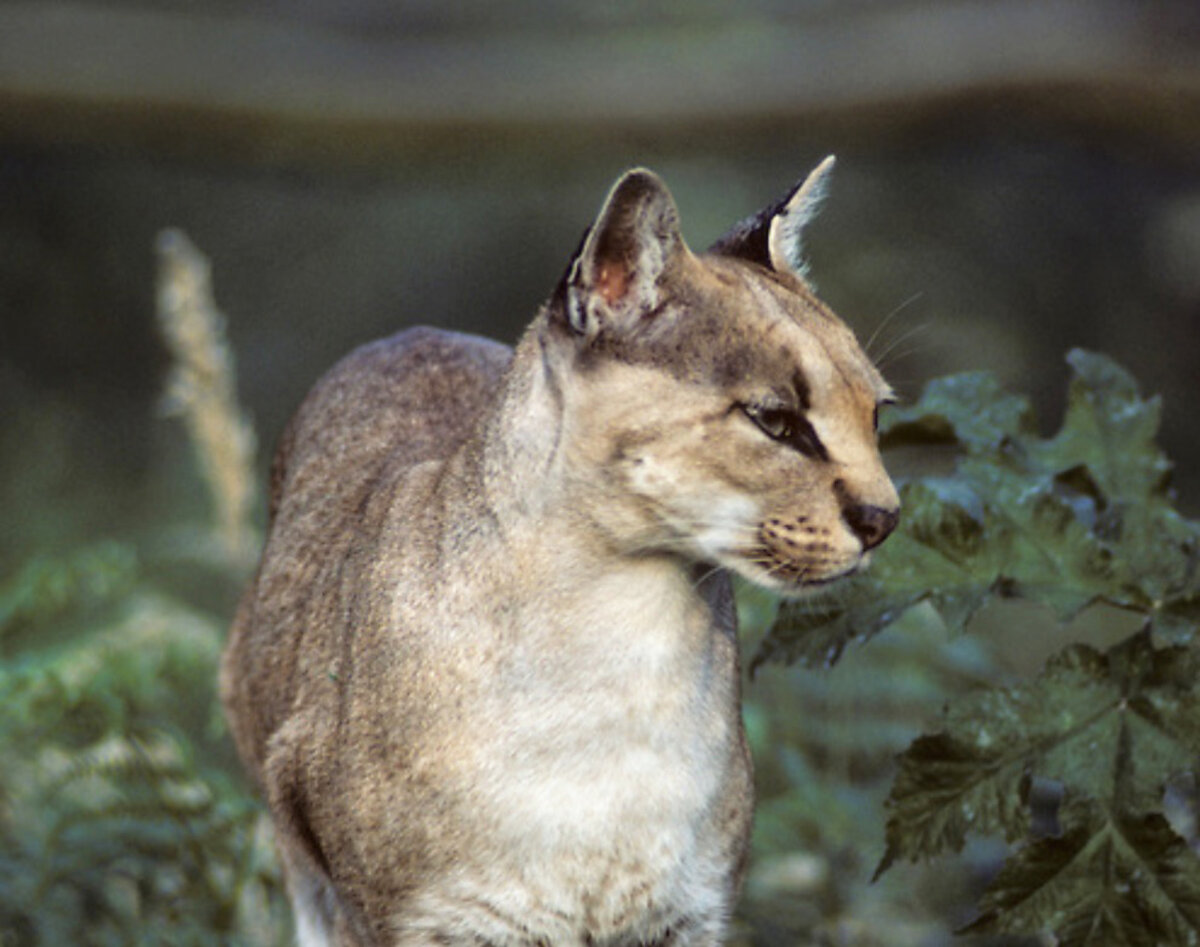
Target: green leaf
point(946, 787)
point(969, 409)
point(1142, 724)
point(1112, 726)
point(1111, 879)
point(1081, 517)
point(816, 631)
point(1109, 430)
point(1107, 445)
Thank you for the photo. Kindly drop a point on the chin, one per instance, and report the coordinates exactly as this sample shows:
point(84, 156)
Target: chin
point(789, 586)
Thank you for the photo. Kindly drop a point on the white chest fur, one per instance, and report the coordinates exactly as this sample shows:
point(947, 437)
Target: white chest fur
point(611, 740)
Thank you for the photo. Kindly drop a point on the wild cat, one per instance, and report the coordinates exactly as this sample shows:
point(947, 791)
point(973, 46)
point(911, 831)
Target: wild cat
point(487, 674)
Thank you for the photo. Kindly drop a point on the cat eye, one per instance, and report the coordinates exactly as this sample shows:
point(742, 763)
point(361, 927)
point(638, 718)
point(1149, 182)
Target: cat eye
point(789, 427)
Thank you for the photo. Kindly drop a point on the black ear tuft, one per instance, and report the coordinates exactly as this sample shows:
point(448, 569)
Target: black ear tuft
point(773, 237)
point(747, 239)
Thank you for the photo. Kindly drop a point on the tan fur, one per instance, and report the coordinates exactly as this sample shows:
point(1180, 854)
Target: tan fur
point(487, 674)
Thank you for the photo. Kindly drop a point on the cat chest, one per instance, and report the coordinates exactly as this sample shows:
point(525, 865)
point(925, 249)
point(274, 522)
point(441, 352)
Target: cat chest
point(604, 777)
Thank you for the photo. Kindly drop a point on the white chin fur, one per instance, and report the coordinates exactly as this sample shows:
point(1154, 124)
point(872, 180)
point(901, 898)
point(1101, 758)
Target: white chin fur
point(786, 587)
point(727, 523)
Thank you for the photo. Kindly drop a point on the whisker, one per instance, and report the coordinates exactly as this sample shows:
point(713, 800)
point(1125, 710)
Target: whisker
point(772, 567)
point(907, 336)
point(706, 575)
point(888, 318)
point(903, 354)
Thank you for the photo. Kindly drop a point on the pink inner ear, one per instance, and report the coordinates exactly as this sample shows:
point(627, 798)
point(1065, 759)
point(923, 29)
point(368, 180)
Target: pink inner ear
point(612, 282)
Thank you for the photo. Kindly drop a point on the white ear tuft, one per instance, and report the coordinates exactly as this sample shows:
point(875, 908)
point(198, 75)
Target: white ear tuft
point(785, 238)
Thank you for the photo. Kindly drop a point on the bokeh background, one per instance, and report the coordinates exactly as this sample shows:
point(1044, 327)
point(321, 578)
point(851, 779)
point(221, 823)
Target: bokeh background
point(1014, 179)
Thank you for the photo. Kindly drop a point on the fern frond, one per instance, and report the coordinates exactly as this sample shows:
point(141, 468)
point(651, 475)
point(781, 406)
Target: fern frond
point(46, 587)
point(112, 823)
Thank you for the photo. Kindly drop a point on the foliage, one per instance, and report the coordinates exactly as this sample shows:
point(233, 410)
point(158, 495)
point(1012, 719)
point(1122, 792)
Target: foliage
point(1072, 766)
point(823, 742)
point(45, 588)
point(118, 821)
point(122, 818)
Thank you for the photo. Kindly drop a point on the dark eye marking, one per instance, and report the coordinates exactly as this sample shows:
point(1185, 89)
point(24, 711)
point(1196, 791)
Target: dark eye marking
point(789, 427)
point(803, 396)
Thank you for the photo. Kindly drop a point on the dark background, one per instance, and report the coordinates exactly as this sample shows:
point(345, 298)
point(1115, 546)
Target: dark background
point(1014, 179)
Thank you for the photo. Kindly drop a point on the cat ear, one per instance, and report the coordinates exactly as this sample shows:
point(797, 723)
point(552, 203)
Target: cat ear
point(613, 281)
point(773, 238)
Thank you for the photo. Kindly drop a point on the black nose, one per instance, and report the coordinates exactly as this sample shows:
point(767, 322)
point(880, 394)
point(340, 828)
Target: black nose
point(871, 524)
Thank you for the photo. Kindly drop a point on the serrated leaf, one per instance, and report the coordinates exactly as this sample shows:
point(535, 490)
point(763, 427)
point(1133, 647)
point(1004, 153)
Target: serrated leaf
point(1112, 726)
point(947, 787)
point(1083, 516)
point(1108, 433)
point(1109, 429)
point(1111, 879)
point(816, 631)
point(970, 409)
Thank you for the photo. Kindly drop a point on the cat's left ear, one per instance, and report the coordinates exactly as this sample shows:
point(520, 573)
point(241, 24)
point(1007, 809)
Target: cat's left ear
point(773, 237)
point(614, 282)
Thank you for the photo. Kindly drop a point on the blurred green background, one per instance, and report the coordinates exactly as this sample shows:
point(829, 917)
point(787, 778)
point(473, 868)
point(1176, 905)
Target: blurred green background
point(1014, 179)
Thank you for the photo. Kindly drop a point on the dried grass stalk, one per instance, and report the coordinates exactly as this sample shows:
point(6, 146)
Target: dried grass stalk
point(201, 389)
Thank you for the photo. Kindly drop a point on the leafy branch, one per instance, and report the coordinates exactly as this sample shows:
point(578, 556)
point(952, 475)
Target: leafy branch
point(1083, 517)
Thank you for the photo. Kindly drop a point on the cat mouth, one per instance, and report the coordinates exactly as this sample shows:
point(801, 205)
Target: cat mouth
point(830, 579)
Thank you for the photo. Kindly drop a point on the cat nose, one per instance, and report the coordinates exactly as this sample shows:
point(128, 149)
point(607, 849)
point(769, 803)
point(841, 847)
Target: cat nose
point(871, 524)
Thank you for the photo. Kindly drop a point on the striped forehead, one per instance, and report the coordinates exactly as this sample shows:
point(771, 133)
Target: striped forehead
point(822, 345)
point(745, 326)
